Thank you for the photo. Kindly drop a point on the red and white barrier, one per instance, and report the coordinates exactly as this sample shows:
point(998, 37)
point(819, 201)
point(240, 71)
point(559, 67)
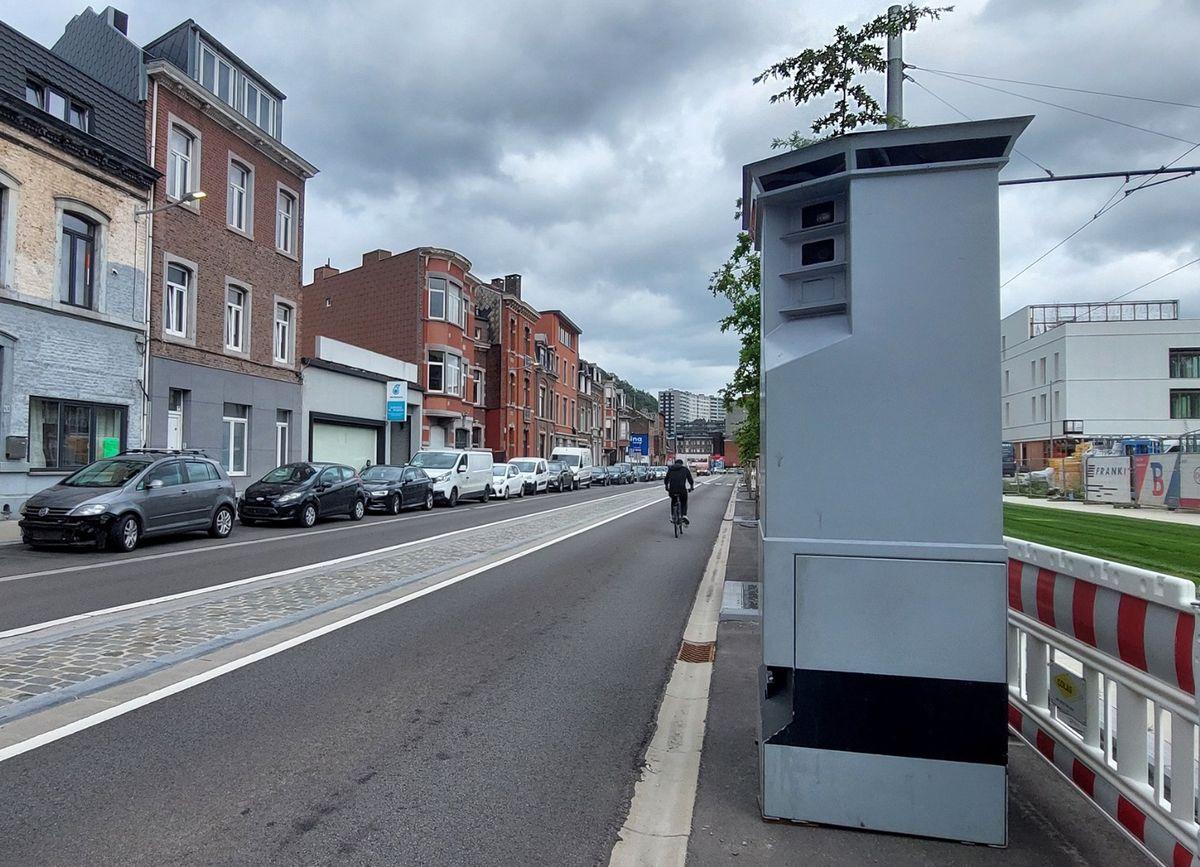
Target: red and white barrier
point(1130, 638)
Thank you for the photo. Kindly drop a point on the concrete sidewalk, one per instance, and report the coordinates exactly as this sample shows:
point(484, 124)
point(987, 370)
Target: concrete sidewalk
point(1050, 822)
point(1145, 514)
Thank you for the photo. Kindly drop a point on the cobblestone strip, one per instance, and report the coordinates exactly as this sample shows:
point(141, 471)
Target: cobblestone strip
point(32, 667)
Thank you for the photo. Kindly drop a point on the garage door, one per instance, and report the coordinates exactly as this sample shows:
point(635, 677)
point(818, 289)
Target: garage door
point(343, 444)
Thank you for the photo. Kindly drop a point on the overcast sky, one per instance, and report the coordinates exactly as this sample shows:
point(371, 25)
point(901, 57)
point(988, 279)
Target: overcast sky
point(595, 148)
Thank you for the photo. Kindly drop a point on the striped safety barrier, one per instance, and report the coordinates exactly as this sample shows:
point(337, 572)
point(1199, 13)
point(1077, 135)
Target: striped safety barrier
point(1125, 642)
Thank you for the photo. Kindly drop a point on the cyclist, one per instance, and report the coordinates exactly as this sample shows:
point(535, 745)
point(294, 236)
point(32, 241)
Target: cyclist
point(678, 482)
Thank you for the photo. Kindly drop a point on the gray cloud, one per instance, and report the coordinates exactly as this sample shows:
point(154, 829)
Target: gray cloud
point(596, 147)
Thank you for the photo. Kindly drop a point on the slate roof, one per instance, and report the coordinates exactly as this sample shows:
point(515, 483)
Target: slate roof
point(90, 43)
point(116, 141)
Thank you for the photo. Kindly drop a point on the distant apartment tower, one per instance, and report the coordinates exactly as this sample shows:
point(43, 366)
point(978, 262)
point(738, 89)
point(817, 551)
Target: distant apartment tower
point(679, 407)
point(1076, 372)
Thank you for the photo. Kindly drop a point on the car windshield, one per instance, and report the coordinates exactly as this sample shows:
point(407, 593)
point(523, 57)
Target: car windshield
point(556, 466)
point(569, 460)
point(623, 467)
point(382, 474)
point(289, 474)
point(499, 469)
point(111, 473)
point(435, 460)
point(526, 466)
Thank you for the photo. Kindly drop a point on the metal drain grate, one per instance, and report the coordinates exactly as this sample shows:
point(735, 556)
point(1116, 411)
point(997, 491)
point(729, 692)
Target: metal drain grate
point(693, 651)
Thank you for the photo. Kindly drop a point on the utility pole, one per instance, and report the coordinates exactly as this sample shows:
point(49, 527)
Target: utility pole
point(895, 72)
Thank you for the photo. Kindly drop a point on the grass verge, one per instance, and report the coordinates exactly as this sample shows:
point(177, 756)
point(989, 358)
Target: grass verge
point(1170, 548)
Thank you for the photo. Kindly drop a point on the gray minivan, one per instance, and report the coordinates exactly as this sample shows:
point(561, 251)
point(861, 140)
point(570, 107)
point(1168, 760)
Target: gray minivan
point(116, 501)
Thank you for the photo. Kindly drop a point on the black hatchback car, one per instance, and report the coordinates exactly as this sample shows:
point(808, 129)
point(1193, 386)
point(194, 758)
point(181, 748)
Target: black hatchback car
point(117, 501)
point(561, 478)
point(303, 493)
point(391, 489)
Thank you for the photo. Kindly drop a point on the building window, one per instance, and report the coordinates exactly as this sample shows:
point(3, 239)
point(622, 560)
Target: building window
point(236, 421)
point(283, 332)
point(436, 377)
point(77, 266)
point(285, 222)
point(1032, 372)
point(181, 149)
point(57, 103)
point(1057, 404)
point(437, 298)
point(1185, 403)
point(66, 435)
point(217, 75)
point(541, 404)
point(454, 306)
point(175, 418)
point(477, 380)
point(1042, 369)
point(454, 375)
point(240, 204)
point(1007, 384)
point(235, 318)
point(176, 298)
point(1185, 363)
point(1042, 405)
point(1057, 367)
point(1007, 413)
point(259, 107)
point(283, 426)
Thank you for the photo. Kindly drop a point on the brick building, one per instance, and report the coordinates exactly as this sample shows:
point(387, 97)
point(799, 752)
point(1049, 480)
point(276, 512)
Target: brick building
point(73, 171)
point(557, 338)
point(415, 306)
point(591, 409)
point(506, 323)
point(225, 270)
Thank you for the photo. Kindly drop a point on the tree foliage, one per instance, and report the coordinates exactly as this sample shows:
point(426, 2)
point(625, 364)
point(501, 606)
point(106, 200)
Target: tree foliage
point(737, 280)
point(834, 68)
point(642, 401)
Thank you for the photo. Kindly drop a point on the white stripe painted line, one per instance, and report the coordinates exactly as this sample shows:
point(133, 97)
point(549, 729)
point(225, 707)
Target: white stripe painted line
point(201, 549)
point(659, 822)
point(130, 606)
point(87, 722)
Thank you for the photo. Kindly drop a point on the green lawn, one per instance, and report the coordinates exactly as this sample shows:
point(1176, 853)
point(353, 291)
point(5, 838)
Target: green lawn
point(1170, 548)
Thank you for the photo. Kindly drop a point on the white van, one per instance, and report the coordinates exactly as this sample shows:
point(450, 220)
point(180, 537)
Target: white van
point(580, 462)
point(457, 473)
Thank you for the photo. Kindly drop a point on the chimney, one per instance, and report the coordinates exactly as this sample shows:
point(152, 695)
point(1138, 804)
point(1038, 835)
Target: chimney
point(498, 283)
point(117, 20)
point(323, 271)
point(376, 256)
point(512, 284)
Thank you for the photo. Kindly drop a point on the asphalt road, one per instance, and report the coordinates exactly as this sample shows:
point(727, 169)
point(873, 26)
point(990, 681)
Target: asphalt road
point(498, 721)
point(77, 580)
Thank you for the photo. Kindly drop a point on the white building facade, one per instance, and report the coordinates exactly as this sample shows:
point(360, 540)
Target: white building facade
point(1079, 372)
point(679, 407)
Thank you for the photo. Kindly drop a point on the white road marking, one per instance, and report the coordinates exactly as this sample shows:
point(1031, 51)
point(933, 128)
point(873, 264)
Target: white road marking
point(129, 606)
point(200, 549)
point(659, 822)
point(87, 722)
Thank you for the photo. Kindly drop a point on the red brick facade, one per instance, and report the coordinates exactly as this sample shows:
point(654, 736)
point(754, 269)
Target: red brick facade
point(561, 413)
point(512, 376)
point(198, 236)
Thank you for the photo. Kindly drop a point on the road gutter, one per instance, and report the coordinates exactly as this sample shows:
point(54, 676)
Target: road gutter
point(659, 822)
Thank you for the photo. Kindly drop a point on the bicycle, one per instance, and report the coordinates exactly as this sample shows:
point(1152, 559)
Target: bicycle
point(676, 517)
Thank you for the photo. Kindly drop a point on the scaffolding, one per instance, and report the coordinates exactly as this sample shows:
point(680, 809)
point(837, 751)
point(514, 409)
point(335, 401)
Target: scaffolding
point(1043, 317)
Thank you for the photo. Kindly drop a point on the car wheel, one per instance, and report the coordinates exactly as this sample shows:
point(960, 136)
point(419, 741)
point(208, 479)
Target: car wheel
point(357, 510)
point(308, 515)
point(487, 494)
point(505, 497)
point(452, 500)
point(125, 533)
point(222, 523)
point(395, 506)
point(522, 494)
point(428, 500)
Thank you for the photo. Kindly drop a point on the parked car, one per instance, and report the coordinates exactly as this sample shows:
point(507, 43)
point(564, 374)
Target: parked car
point(303, 492)
point(623, 474)
point(561, 478)
point(535, 476)
point(117, 501)
point(457, 473)
point(600, 476)
point(580, 462)
point(393, 489)
point(507, 481)
point(641, 473)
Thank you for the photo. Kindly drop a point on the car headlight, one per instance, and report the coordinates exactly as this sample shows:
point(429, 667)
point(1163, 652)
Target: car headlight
point(379, 493)
point(89, 509)
point(25, 508)
point(289, 498)
point(444, 477)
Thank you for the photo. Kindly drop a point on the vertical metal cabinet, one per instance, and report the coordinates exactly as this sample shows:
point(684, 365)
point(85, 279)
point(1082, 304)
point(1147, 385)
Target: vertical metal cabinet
point(884, 698)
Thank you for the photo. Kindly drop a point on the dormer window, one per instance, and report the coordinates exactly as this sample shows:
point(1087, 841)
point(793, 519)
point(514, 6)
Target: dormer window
point(216, 74)
point(238, 90)
point(55, 102)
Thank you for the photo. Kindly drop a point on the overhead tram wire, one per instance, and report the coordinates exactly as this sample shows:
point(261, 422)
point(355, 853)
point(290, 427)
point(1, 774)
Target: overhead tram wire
point(966, 116)
point(1055, 87)
point(1058, 105)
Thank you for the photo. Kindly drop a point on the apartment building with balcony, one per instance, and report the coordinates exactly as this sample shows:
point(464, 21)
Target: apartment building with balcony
point(416, 306)
point(506, 325)
point(73, 175)
point(225, 269)
point(1088, 371)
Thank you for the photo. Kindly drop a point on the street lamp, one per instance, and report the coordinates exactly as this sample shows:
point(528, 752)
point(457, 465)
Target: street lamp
point(194, 196)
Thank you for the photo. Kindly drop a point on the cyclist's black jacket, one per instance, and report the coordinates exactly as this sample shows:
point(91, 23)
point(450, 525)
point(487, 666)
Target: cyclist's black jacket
point(678, 480)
